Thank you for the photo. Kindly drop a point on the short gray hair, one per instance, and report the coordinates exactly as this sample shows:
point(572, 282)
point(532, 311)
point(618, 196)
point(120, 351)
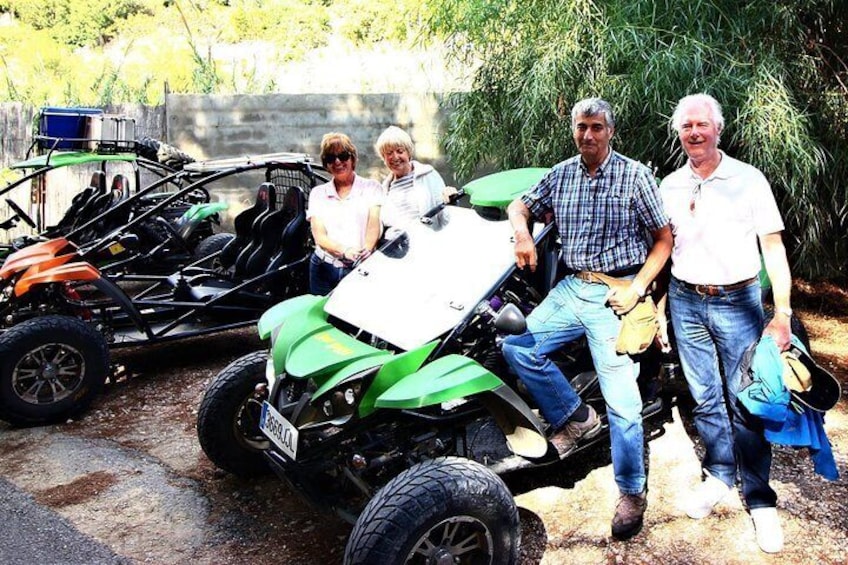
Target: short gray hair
point(592, 107)
point(701, 98)
point(392, 138)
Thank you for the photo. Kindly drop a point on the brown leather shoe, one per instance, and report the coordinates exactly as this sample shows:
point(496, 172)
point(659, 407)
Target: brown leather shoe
point(629, 511)
point(566, 439)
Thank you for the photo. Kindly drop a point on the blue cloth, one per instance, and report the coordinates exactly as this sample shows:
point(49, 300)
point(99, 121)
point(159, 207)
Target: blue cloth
point(786, 423)
point(603, 220)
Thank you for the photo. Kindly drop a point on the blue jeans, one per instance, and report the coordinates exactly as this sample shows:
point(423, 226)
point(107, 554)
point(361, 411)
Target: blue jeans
point(572, 309)
point(323, 276)
point(712, 334)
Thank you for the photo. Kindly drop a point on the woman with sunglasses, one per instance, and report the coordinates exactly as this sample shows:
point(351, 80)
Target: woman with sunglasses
point(344, 214)
point(411, 187)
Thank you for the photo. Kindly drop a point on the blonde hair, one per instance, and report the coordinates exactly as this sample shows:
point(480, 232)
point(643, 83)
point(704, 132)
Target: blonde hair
point(393, 137)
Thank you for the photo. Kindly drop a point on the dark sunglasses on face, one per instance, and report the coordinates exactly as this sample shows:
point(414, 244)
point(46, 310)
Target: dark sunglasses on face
point(344, 157)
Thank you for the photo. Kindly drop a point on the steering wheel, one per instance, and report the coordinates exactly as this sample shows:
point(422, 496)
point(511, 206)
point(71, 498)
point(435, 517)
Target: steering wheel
point(21, 214)
point(173, 234)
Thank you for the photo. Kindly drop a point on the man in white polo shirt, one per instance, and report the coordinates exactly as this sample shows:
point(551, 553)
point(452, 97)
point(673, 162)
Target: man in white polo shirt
point(720, 209)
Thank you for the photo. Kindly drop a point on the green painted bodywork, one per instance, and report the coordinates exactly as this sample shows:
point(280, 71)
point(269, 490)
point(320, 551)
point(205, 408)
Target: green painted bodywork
point(71, 158)
point(447, 378)
point(279, 313)
point(322, 350)
point(199, 212)
point(393, 371)
point(358, 366)
point(499, 189)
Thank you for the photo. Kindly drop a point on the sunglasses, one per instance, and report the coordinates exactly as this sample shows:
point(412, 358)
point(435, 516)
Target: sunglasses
point(344, 157)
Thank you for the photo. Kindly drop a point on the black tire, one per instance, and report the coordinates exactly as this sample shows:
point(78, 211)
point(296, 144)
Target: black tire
point(161, 152)
point(51, 368)
point(416, 508)
point(212, 244)
point(228, 418)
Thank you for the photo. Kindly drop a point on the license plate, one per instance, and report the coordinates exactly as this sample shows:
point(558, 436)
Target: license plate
point(279, 430)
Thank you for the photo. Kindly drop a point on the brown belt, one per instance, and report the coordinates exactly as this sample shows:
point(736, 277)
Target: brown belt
point(588, 276)
point(717, 289)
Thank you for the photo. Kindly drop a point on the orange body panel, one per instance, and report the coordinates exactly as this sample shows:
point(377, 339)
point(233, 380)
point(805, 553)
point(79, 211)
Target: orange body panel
point(35, 254)
point(78, 271)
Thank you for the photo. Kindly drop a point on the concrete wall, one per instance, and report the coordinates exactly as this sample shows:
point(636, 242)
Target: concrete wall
point(209, 127)
point(229, 126)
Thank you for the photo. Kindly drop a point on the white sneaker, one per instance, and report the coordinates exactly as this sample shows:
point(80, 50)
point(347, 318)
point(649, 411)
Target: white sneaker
point(700, 502)
point(767, 526)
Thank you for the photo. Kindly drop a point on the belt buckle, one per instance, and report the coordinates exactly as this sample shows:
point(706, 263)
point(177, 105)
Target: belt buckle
point(706, 289)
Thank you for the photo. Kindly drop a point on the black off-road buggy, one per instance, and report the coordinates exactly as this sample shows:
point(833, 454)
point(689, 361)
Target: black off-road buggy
point(74, 144)
point(59, 314)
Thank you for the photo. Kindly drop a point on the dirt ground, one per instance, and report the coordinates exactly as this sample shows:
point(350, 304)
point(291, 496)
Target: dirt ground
point(131, 475)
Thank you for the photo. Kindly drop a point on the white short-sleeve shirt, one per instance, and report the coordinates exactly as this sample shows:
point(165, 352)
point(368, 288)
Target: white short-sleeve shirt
point(345, 218)
point(716, 221)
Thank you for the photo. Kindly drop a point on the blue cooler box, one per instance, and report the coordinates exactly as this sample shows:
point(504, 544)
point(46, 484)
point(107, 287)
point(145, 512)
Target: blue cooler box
point(66, 124)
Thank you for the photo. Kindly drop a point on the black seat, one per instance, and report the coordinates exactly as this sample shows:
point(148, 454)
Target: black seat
point(102, 203)
point(284, 234)
point(294, 236)
point(97, 185)
point(273, 232)
point(243, 225)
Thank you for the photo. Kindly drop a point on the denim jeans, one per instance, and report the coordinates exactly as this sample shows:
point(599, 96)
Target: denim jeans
point(712, 334)
point(572, 309)
point(323, 276)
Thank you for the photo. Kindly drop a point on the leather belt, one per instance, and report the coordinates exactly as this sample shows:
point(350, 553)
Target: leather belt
point(327, 258)
point(591, 276)
point(717, 289)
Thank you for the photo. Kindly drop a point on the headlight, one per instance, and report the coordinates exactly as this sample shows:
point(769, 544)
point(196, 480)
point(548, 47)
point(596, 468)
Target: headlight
point(270, 374)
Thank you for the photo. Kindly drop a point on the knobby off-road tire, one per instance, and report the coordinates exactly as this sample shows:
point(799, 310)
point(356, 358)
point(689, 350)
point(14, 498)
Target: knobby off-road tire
point(212, 244)
point(445, 508)
point(161, 152)
point(51, 368)
point(228, 418)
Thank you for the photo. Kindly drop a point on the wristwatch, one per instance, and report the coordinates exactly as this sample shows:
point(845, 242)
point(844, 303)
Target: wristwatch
point(785, 311)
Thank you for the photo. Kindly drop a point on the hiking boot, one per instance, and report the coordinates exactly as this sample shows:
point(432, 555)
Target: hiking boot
point(767, 527)
point(629, 512)
point(566, 439)
point(703, 498)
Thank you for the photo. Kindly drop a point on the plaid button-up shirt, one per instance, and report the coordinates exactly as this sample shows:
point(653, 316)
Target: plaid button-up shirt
point(604, 221)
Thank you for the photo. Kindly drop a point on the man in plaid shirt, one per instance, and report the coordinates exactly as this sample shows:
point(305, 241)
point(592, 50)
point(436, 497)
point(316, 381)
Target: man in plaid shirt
point(610, 218)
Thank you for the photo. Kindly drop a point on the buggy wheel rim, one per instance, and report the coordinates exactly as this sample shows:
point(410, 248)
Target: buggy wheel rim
point(48, 374)
point(458, 539)
point(246, 424)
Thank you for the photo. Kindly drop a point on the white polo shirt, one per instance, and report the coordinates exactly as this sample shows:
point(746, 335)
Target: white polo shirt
point(345, 218)
point(716, 221)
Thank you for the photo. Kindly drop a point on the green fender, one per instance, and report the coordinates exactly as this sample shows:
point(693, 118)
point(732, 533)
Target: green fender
point(322, 350)
point(501, 188)
point(453, 377)
point(278, 314)
point(199, 212)
point(348, 371)
point(447, 378)
point(397, 368)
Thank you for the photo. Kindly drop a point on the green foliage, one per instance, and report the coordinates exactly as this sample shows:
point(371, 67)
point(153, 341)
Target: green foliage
point(368, 22)
point(778, 68)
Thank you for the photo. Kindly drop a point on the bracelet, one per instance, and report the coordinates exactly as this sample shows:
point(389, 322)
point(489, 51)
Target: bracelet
point(785, 311)
point(639, 291)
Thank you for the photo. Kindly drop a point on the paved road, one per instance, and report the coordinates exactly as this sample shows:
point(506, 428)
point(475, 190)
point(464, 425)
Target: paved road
point(31, 534)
